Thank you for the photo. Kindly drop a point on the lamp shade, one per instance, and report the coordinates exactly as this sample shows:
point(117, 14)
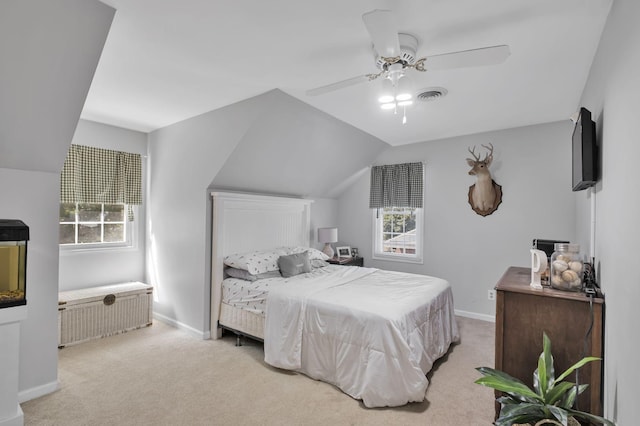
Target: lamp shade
point(327, 235)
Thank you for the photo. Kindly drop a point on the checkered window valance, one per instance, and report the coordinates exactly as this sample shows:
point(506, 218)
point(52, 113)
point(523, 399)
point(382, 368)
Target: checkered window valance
point(396, 185)
point(96, 175)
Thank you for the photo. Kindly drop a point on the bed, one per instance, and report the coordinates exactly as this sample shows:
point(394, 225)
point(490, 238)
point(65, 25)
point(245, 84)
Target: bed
point(374, 334)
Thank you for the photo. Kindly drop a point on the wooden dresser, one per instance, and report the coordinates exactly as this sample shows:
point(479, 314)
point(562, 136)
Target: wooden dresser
point(523, 313)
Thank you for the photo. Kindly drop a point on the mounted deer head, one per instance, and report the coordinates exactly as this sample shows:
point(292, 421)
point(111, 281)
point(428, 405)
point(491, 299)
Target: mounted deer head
point(485, 195)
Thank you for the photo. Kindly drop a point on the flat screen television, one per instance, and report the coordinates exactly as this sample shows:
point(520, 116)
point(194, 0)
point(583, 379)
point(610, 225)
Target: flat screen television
point(584, 152)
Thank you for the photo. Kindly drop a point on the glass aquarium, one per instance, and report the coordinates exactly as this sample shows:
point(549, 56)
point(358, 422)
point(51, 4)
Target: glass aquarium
point(14, 235)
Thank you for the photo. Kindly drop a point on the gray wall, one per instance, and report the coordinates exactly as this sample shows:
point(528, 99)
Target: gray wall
point(324, 214)
point(33, 197)
point(49, 52)
point(90, 268)
point(532, 164)
point(183, 159)
point(612, 94)
point(294, 149)
point(271, 144)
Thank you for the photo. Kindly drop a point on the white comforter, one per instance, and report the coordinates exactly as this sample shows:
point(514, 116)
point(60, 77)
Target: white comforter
point(372, 333)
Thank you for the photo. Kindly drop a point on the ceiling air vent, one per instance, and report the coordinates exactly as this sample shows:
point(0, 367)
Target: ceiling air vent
point(431, 94)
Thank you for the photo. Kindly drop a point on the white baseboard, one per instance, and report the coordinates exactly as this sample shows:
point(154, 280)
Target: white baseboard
point(474, 315)
point(204, 335)
point(15, 420)
point(38, 391)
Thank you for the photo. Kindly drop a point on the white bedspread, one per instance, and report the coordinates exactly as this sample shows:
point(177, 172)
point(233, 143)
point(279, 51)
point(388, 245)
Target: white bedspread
point(372, 333)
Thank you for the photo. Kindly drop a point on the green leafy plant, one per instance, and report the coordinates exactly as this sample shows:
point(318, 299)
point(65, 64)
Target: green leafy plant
point(550, 399)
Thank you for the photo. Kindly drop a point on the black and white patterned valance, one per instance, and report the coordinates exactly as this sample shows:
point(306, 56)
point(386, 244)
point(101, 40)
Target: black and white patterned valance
point(396, 185)
point(96, 175)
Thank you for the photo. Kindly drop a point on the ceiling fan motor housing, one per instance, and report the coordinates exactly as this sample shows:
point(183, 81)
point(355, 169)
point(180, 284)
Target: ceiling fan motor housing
point(408, 49)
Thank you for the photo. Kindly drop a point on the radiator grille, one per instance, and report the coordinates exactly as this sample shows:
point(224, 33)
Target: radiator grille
point(85, 321)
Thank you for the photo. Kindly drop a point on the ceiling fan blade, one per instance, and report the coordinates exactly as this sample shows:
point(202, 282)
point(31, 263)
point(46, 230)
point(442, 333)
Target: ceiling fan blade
point(468, 58)
point(341, 84)
point(383, 30)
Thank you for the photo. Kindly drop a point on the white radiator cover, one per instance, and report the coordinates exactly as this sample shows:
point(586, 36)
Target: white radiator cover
point(96, 312)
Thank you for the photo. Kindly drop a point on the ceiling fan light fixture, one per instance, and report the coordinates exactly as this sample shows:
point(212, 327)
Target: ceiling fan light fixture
point(405, 103)
point(387, 93)
point(403, 88)
point(388, 105)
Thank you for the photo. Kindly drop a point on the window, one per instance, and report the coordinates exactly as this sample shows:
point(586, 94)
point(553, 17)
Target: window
point(396, 200)
point(397, 234)
point(98, 191)
point(94, 224)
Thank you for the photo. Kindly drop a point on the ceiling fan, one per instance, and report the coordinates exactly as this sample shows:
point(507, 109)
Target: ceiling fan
point(396, 53)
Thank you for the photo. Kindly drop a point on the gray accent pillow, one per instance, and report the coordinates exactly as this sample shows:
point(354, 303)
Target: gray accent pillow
point(294, 264)
point(246, 275)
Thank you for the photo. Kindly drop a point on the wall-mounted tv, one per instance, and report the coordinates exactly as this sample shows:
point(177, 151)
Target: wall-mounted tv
point(584, 152)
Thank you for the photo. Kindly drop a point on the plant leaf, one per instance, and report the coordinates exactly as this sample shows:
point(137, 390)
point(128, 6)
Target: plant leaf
point(544, 360)
point(521, 413)
point(487, 371)
point(513, 387)
point(570, 397)
point(590, 417)
point(559, 413)
point(577, 365)
point(504, 382)
point(507, 399)
point(558, 392)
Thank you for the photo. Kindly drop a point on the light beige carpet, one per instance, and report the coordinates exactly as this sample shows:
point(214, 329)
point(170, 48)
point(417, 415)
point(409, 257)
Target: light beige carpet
point(161, 376)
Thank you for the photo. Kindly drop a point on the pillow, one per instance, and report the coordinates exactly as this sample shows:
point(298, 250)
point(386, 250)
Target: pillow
point(294, 264)
point(317, 263)
point(316, 254)
point(313, 253)
point(257, 262)
point(245, 275)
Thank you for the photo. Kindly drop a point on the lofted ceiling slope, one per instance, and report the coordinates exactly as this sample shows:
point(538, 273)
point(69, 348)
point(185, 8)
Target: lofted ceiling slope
point(291, 138)
point(48, 54)
point(166, 61)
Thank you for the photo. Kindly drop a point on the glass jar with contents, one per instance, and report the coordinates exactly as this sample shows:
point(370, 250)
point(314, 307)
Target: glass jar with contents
point(566, 267)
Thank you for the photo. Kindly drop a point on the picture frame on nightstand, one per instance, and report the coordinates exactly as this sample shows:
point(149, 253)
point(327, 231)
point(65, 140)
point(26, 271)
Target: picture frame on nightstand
point(344, 251)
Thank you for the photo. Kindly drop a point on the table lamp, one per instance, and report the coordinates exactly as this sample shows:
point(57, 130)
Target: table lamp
point(328, 236)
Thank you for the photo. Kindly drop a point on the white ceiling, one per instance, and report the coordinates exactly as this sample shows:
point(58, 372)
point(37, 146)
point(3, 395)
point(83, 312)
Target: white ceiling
point(167, 60)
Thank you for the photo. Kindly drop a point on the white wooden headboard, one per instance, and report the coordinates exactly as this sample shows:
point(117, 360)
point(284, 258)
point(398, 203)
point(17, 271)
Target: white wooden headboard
point(247, 222)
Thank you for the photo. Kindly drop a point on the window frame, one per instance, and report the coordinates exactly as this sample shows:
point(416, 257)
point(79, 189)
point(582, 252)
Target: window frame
point(130, 241)
point(377, 243)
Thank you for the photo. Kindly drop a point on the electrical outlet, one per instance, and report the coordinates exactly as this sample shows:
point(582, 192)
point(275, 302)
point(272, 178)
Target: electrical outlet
point(491, 295)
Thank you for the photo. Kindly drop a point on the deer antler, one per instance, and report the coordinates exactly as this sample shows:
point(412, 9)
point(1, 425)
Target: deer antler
point(473, 152)
point(490, 149)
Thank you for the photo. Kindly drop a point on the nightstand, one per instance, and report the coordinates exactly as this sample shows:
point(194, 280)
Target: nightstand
point(347, 261)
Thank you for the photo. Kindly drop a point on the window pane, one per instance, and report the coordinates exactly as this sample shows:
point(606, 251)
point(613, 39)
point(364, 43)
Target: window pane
point(89, 212)
point(67, 212)
point(397, 231)
point(386, 224)
point(398, 223)
point(410, 221)
point(402, 243)
point(88, 234)
point(67, 234)
point(93, 223)
point(113, 233)
point(114, 212)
